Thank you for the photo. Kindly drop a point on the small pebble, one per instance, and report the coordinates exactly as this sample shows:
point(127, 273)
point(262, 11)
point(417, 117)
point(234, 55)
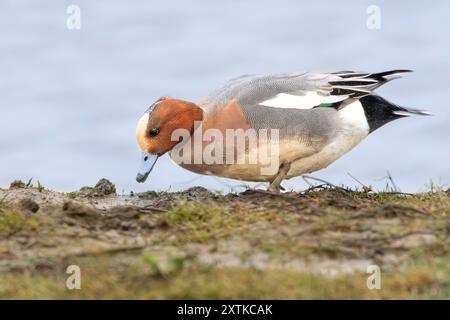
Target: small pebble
point(17, 184)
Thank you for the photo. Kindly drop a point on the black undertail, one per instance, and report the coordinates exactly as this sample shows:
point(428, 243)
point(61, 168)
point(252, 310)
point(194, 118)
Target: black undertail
point(379, 111)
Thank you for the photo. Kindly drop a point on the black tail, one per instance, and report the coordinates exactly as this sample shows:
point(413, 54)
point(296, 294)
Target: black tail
point(359, 84)
point(379, 111)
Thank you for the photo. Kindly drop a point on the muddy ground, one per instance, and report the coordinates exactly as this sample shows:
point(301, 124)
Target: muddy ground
point(198, 244)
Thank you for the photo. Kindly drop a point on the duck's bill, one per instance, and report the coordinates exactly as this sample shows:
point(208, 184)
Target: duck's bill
point(148, 160)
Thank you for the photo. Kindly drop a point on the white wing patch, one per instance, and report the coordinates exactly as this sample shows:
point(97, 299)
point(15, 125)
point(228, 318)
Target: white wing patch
point(309, 100)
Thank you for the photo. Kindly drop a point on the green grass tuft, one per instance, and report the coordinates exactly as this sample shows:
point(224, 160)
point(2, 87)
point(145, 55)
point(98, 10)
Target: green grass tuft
point(12, 222)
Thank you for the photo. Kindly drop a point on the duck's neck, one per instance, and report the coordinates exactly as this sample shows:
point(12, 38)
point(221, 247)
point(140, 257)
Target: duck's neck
point(186, 114)
point(197, 116)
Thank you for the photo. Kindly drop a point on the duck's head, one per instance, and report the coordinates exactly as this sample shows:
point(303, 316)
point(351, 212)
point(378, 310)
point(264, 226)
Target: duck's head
point(155, 127)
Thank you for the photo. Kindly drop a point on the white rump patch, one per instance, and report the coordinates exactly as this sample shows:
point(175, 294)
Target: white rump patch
point(354, 115)
point(309, 100)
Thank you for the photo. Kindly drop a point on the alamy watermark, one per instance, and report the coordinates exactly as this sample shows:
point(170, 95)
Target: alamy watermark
point(373, 21)
point(73, 282)
point(374, 280)
point(73, 21)
point(231, 146)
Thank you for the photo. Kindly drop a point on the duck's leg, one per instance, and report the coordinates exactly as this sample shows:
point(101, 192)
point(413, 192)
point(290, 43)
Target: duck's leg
point(282, 172)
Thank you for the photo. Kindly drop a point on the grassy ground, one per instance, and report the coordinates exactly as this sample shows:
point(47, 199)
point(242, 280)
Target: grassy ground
point(197, 244)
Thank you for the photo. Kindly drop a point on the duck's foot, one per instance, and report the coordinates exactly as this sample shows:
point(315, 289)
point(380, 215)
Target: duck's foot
point(275, 185)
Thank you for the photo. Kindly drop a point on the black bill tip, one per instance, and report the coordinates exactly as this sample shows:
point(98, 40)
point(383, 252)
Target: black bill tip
point(141, 177)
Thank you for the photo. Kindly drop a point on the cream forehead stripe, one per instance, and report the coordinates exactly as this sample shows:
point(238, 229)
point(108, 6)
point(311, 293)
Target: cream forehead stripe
point(141, 131)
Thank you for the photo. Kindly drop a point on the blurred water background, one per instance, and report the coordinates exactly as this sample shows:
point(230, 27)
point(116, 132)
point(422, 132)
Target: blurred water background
point(70, 99)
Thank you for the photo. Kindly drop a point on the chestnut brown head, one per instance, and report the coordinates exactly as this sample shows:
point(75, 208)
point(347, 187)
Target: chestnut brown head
point(154, 129)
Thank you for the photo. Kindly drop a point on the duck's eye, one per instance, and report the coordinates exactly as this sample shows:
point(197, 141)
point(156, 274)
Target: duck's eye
point(154, 132)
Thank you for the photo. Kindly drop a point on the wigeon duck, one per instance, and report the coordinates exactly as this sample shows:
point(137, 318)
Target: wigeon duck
point(307, 120)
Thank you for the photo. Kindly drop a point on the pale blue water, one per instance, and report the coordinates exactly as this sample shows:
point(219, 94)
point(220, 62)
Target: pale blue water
point(69, 100)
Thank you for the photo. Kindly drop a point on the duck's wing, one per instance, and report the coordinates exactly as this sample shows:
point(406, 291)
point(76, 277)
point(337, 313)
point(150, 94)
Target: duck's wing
point(302, 106)
point(299, 90)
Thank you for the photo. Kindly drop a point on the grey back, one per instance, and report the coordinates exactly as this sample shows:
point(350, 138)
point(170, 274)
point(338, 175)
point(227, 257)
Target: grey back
point(249, 90)
point(311, 127)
